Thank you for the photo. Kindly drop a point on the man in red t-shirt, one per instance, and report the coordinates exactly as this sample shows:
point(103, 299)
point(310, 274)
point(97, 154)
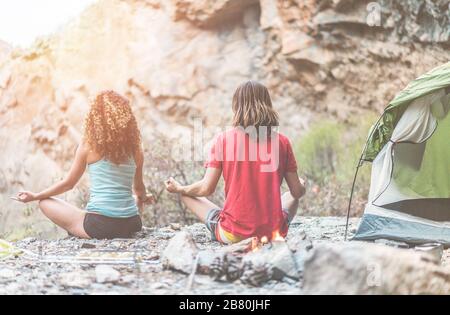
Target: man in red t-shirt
point(254, 160)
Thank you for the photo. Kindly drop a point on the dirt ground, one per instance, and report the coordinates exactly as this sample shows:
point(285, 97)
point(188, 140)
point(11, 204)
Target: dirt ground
point(48, 267)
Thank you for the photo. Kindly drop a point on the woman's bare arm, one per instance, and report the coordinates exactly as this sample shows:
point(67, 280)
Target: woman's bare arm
point(297, 186)
point(203, 188)
point(76, 171)
point(139, 187)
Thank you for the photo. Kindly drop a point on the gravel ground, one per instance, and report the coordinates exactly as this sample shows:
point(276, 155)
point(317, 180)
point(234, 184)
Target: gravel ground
point(28, 274)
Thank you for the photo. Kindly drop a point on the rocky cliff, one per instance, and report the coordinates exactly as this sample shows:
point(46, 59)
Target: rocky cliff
point(182, 59)
point(5, 50)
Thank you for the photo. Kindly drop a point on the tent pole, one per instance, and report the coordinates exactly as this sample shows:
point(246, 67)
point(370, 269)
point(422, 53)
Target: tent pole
point(357, 171)
point(351, 197)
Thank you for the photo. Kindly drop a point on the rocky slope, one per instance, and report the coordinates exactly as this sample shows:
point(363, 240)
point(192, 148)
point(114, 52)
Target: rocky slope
point(5, 51)
point(182, 59)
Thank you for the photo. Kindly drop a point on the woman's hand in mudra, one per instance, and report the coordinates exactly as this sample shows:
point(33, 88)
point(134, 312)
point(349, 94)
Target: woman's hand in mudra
point(26, 196)
point(148, 200)
point(141, 202)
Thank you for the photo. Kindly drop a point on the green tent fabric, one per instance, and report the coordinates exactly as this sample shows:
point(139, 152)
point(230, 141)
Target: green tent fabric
point(432, 179)
point(409, 147)
point(381, 132)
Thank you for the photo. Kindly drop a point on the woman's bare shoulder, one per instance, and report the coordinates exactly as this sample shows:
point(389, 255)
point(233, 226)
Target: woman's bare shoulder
point(91, 155)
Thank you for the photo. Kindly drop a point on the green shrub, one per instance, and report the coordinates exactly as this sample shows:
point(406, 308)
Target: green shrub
point(317, 152)
point(328, 155)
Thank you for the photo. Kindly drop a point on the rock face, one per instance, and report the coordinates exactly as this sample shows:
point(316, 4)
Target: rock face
point(5, 50)
point(206, 13)
point(408, 18)
point(359, 268)
point(182, 59)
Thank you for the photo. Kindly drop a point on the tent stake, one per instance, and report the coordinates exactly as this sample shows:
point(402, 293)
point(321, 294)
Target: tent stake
point(351, 197)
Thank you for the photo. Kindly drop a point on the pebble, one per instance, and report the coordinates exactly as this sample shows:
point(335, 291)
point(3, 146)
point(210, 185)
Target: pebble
point(175, 226)
point(88, 246)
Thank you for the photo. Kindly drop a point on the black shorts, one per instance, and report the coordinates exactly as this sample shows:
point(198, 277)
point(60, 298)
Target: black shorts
point(100, 227)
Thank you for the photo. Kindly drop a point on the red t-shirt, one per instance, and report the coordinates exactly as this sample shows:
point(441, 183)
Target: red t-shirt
point(253, 171)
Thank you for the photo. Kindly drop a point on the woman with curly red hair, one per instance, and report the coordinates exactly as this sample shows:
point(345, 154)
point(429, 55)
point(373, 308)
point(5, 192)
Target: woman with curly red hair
point(111, 151)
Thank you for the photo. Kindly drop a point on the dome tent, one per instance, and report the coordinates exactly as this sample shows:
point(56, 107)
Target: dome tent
point(409, 148)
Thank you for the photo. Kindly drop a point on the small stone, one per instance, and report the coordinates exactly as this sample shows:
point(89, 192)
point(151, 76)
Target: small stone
point(158, 286)
point(319, 88)
point(76, 279)
point(28, 240)
point(106, 274)
point(88, 246)
point(166, 230)
point(392, 243)
point(175, 226)
point(436, 251)
point(244, 246)
point(128, 279)
point(277, 257)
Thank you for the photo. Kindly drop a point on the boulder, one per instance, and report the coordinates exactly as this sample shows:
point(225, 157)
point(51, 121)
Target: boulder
point(301, 247)
point(276, 257)
point(362, 268)
point(180, 253)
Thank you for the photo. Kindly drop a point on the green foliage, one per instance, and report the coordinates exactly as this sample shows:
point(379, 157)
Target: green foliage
point(317, 152)
point(328, 155)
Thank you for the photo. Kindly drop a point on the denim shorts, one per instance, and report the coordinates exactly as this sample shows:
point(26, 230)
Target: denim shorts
point(212, 222)
point(213, 217)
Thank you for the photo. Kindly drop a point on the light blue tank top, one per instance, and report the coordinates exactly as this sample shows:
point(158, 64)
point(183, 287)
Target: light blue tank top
point(111, 189)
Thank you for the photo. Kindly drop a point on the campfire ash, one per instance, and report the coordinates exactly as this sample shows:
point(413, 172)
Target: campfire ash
point(253, 262)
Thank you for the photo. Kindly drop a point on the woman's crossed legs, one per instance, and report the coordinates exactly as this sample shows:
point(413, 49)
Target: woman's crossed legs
point(201, 207)
point(65, 215)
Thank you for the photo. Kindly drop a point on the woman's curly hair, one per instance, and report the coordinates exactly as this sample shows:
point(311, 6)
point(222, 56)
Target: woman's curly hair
point(110, 128)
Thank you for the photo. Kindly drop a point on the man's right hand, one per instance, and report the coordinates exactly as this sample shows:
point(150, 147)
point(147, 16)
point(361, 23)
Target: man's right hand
point(173, 186)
